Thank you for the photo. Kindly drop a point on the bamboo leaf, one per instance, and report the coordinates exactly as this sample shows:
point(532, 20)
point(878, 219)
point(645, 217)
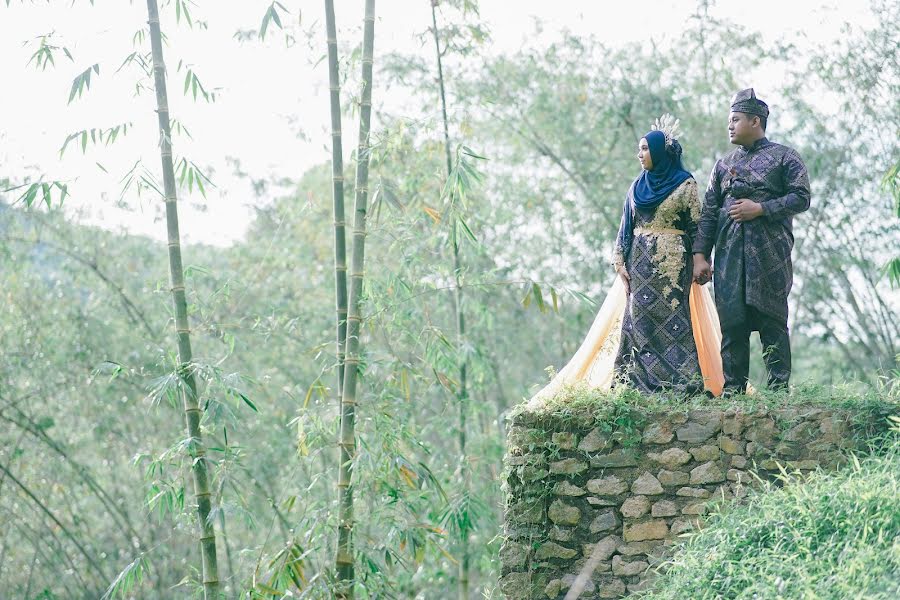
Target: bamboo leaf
point(30, 194)
point(200, 185)
point(63, 191)
point(468, 231)
point(435, 215)
point(539, 297)
point(526, 301)
point(248, 402)
point(130, 577)
point(82, 82)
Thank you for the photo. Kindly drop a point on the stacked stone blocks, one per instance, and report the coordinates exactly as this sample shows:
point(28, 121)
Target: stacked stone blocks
point(620, 497)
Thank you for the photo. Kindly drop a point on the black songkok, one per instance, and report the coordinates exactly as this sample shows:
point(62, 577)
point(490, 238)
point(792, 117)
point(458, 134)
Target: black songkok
point(746, 101)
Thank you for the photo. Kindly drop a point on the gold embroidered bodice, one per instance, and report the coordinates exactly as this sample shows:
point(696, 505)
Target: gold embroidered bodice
point(675, 218)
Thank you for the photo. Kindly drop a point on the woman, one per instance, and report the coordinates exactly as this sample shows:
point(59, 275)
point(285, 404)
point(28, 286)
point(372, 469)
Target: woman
point(656, 330)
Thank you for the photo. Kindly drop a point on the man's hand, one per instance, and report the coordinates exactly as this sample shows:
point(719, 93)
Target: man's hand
point(702, 270)
point(745, 210)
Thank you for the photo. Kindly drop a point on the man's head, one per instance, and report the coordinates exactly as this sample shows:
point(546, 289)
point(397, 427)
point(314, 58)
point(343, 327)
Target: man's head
point(748, 117)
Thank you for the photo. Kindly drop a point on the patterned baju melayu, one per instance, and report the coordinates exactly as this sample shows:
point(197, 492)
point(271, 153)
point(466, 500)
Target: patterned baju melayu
point(753, 272)
point(657, 349)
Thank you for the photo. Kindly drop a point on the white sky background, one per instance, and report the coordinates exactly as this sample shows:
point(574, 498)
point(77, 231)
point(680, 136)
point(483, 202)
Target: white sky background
point(268, 93)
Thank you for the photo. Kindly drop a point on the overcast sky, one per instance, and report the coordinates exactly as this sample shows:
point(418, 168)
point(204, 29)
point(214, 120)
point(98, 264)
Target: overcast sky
point(268, 93)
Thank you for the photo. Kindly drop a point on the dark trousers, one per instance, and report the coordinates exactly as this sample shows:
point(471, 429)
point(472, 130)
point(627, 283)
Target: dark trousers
point(776, 345)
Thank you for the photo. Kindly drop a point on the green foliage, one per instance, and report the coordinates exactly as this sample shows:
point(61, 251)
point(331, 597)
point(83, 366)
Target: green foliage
point(106, 136)
point(43, 191)
point(614, 409)
point(828, 536)
point(193, 85)
point(86, 313)
point(43, 56)
point(271, 16)
point(128, 580)
point(82, 82)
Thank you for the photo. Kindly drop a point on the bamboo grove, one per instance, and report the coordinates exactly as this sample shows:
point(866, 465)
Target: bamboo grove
point(319, 408)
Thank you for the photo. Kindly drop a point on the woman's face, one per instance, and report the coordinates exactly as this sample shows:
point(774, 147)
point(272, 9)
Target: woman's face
point(644, 155)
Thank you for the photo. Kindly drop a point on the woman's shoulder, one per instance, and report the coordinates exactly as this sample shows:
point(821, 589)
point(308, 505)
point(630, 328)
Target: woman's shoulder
point(686, 186)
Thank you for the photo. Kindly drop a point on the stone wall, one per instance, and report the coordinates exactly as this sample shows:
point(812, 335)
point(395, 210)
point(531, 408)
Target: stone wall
point(619, 495)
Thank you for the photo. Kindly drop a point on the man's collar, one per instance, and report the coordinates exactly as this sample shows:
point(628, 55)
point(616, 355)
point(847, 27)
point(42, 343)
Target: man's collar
point(763, 141)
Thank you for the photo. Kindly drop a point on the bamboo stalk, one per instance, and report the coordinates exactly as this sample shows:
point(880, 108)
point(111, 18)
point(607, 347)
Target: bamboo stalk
point(337, 189)
point(463, 393)
point(199, 466)
point(344, 562)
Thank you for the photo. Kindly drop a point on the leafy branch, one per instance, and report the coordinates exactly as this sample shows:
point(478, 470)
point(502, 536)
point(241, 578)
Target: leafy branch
point(106, 136)
point(43, 56)
point(271, 16)
point(82, 82)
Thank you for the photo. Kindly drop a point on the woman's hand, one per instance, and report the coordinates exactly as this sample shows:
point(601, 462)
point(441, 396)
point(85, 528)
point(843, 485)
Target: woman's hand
point(626, 278)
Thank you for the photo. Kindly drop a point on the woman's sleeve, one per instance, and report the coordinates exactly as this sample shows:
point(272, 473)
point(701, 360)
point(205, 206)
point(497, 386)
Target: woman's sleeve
point(618, 255)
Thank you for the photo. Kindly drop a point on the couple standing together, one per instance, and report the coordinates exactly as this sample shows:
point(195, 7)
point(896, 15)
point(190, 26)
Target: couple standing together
point(657, 329)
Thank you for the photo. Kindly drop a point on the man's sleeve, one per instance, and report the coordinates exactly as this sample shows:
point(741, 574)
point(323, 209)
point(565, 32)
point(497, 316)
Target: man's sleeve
point(709, 214)
point(796, 184)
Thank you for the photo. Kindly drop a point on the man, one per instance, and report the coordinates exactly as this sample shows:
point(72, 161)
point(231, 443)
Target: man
point(747, 215)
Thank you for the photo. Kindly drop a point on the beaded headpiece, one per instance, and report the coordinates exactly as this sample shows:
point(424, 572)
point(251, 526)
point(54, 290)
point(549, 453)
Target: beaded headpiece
point(669, 126)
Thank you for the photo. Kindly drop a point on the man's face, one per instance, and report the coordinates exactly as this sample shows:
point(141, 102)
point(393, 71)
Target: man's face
point(742, 128)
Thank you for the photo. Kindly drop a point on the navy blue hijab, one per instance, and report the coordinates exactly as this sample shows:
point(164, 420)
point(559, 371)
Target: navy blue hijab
point(653, 186)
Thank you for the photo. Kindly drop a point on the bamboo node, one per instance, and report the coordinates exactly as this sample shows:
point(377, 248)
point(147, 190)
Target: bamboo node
point(177, 288)
point(183, 330)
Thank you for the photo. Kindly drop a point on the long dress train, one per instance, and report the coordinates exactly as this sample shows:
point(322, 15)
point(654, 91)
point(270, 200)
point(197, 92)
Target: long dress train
point(594, 361)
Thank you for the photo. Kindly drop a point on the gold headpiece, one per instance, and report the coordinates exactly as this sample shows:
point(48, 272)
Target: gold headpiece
point(669, 126)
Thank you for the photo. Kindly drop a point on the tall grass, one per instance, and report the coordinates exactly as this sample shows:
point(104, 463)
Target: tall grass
point(832, 536)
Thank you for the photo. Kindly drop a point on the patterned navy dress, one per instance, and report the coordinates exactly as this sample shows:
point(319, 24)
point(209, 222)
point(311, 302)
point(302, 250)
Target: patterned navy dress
point(657, 350)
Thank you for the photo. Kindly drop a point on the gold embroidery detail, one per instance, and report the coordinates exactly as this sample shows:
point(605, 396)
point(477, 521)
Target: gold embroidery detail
point(668, 254)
